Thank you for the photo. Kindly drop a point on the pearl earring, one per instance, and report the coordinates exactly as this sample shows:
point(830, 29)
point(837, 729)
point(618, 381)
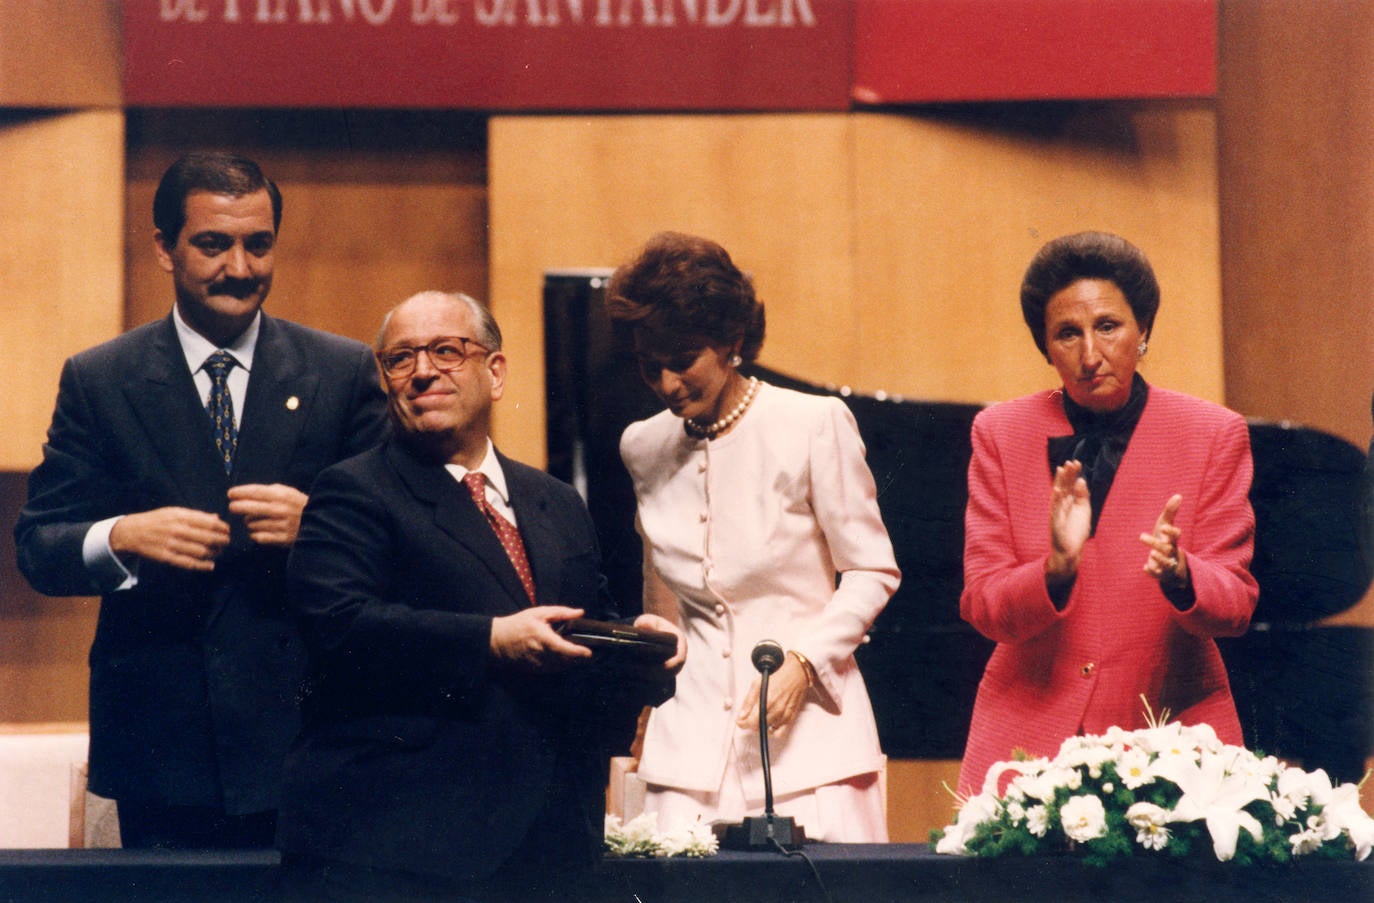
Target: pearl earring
point(1142, 348)
point(736, 360)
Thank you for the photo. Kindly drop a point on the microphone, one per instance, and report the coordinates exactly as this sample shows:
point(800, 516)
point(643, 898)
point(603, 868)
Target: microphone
point(768, 656)
point(770, 831)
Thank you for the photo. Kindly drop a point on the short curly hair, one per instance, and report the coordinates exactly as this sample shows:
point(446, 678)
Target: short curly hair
point(684, 285)
point(1088, 255)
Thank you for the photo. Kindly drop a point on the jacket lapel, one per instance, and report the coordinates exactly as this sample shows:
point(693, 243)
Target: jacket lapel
point(281, 392)
point(165, 400)
point(459, 518)
point(529, 497)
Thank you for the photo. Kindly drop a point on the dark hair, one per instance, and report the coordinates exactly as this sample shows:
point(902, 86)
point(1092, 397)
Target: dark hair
point(1088, 255)
point(683, 285)
point(214, 171)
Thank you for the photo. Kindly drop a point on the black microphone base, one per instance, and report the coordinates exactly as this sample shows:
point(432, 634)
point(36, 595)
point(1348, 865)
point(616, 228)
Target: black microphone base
point(754, 833)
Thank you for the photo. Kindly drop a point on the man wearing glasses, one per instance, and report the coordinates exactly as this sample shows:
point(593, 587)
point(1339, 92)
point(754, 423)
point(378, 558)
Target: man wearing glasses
point(172, 482)
point(455, 743)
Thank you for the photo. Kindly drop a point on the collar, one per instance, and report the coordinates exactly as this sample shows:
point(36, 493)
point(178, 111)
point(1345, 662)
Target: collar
point(1121, 421)
point(489, 468)
point(197, 347)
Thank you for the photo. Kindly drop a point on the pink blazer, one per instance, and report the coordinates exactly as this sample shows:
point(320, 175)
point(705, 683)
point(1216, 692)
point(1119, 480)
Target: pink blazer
point(1057, 673)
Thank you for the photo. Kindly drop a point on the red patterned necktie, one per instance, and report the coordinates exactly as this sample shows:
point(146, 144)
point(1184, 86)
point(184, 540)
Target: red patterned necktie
point(505, 531)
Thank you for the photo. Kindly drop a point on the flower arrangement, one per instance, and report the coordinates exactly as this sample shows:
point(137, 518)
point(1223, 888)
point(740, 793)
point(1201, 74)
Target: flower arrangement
point(640, 837)
point(1162, 790)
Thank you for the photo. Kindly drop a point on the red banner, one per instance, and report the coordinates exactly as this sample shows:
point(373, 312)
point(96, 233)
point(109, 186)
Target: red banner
point(911, 51)
point(654, 55)
point(490, 54)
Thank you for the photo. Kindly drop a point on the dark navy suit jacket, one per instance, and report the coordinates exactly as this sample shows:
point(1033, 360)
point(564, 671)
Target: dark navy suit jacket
point(194, 676)
point(418, 753)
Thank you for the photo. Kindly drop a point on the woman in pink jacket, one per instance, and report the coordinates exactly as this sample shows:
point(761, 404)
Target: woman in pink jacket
point(1108, 533)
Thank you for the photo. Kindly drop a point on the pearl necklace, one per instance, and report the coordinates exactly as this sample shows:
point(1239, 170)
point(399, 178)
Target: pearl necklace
point(715, 429)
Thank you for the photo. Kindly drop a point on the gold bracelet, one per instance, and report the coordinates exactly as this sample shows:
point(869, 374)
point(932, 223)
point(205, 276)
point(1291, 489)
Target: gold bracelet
point(807, 667)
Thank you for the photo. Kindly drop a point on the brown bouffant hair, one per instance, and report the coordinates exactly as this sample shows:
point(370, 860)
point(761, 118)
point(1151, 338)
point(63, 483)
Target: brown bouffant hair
point(683, 285)
point(1088, 255)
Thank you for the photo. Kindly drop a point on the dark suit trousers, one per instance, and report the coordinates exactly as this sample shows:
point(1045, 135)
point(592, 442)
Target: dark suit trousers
point(544, 868)
point(153, 826)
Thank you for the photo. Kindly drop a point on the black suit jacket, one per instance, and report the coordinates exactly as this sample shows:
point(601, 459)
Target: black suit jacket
point(193, 676)
point(417, 753)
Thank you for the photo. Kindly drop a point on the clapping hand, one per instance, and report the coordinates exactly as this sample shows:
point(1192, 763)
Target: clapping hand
point(1071, 519)
point(1166, 562)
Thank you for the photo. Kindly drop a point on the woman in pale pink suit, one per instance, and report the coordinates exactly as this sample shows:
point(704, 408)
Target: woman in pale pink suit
point(760, 521)
point(1108, 533)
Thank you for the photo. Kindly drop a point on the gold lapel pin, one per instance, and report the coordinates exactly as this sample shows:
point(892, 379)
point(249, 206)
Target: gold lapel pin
point(292, 403)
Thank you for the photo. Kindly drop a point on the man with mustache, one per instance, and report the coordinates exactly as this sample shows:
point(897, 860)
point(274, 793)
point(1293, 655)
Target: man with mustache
point(172, 483)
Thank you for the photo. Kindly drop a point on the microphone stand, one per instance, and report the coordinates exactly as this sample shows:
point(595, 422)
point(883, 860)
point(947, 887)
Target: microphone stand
point(763, 749)
point(769, 831)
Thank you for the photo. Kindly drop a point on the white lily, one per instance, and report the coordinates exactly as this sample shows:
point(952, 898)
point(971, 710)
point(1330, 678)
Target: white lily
point(1020, 768)
point(1174, 740)
point(1212, 792)
point(1343, 813)
point(977, 810)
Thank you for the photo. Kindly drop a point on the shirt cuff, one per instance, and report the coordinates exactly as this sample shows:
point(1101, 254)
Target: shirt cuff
point(107, 572)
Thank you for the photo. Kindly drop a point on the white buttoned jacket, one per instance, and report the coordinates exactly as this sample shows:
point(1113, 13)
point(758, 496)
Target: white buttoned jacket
point(749, 532)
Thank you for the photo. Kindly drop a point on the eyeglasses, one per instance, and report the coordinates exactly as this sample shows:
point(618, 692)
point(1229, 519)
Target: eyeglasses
point(445, 355)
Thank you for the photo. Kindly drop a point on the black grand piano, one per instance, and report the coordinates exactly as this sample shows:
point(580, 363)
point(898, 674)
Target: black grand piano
point(1305, 692)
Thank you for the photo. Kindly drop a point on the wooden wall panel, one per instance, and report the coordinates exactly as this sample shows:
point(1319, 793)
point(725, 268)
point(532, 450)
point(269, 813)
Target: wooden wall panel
point(376, 207)
point(43, 640)
point(578, 191)
point(950, 209)
point(61, 254)
point(60, 53)
point(1297, 208)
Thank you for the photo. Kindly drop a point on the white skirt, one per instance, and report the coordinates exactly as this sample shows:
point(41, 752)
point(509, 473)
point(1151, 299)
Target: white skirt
point(847, 811)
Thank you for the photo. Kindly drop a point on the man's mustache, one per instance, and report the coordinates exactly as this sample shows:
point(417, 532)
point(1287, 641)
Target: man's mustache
point(238, 288)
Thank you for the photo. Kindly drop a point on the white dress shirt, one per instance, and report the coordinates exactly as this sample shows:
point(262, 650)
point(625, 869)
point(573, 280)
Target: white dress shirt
point(498, 496)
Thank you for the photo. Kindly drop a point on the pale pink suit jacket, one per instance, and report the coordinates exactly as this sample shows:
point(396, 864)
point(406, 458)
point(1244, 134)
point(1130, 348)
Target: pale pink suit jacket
point(749, 533)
